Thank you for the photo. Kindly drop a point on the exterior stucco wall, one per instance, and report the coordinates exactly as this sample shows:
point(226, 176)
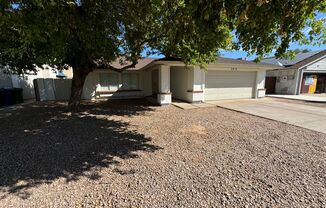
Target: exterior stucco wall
point(92, 87)
point(260, 84)
point(164, 95)
point(260, 79)
point(146, 82)
point(180, 79)
point(286, 81)
point(196, 85)
point(188, 84)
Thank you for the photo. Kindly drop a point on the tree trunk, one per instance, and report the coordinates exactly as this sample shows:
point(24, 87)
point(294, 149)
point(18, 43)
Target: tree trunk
point(78, 80)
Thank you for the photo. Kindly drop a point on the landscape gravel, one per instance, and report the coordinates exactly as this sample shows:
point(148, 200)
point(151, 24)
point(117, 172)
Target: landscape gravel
point(132, 154)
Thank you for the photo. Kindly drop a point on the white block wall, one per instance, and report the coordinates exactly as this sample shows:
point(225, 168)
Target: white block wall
point(179, 82)
point(260, 84)
point(164, 95)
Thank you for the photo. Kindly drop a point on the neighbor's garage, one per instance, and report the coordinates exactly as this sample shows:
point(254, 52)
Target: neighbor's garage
point(221, 85)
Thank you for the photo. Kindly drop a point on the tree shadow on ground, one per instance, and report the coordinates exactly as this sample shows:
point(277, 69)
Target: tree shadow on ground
point(42, 142)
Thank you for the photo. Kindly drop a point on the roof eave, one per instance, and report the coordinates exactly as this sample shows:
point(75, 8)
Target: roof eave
point(312, 62)
point(180, 63)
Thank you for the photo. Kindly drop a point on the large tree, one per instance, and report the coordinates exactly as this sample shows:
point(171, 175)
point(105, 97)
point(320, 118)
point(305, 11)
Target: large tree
point(89, 34)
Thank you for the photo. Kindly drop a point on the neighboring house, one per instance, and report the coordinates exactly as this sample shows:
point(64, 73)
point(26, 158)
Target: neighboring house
point(164, 79)
point(25, 81)
point(5, 80)
point(306, 73)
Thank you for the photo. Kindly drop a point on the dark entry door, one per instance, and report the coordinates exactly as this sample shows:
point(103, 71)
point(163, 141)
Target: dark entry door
point(321, 84)
point(304, 88)
point(270, 85)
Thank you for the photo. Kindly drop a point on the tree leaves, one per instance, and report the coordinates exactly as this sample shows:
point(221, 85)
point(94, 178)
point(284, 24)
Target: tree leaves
point(80, 32)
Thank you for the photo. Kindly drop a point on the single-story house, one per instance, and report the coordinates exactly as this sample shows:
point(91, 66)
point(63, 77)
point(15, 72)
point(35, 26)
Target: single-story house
point(166, 79)
point(306, 73)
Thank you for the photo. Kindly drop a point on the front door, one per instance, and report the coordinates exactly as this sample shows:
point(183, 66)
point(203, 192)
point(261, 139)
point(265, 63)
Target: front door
point(304, 85)
point(321, 84)
point(270, 83)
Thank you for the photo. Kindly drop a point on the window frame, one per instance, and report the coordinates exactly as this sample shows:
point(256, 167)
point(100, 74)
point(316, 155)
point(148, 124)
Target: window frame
point(137, 81)
point(110, 86)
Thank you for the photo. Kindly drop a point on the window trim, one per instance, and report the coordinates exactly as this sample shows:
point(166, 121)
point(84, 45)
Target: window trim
point(108, 88)
point(119, 82)
point(137, 88)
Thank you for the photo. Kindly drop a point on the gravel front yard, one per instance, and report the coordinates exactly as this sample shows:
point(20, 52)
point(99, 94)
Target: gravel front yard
point(130, 154)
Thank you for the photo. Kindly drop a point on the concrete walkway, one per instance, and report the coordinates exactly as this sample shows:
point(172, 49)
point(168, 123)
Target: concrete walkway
point(189, 106)
point(295, 113)
point(319, 98)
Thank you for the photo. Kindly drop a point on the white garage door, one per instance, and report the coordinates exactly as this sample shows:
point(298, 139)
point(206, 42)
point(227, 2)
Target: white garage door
point(229, 85)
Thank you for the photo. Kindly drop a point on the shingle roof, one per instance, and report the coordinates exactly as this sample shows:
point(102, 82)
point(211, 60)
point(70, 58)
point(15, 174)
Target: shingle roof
point(237, 61)
point(300, 59)
point(143, 62)
point(223, 60)
point(308, 60)
point(120, 62)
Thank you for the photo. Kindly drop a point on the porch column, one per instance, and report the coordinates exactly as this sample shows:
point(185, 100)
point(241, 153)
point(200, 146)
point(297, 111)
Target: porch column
point(164, 95)
point(260, 84)
point(196, 85)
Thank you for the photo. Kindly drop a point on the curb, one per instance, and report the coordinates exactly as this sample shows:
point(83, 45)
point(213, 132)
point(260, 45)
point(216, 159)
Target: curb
point(303, 100)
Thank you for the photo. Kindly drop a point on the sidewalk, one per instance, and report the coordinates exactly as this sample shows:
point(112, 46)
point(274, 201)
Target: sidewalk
point(319, 98)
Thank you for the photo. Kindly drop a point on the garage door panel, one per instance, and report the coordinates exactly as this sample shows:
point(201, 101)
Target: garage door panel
point(229, 85)
point(227, 93)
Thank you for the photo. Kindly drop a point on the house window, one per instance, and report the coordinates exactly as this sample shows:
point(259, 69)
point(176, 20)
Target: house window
point(130, 81)
point(109, 81)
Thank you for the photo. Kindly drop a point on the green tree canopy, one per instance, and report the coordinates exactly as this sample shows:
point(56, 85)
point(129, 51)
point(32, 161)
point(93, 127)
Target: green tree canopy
point(89, 34)
point(297, 50)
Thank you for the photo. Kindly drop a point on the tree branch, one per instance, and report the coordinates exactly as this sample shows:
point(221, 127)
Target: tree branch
point(102, 64)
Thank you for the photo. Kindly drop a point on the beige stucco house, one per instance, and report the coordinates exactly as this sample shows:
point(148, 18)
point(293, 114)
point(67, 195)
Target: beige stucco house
point(166, 79)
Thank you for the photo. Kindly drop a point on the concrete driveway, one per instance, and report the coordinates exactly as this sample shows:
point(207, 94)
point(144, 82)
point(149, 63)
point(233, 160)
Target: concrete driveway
point(303, 114)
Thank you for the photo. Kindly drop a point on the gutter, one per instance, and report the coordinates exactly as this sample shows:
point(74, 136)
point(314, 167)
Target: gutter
point(248, 66)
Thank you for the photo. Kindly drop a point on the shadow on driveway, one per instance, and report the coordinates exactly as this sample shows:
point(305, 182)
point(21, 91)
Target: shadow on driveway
point(42, 142)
